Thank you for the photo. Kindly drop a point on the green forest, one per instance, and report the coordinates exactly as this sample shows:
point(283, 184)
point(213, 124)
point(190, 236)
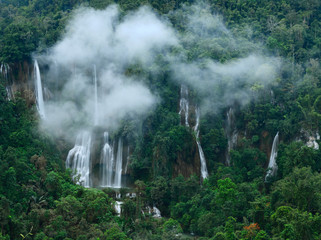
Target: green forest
point(275, 93)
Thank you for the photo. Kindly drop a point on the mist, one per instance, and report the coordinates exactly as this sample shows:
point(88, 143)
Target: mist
point(104, 43)
point(223, 67)
point(100, 43)
point(222, 85)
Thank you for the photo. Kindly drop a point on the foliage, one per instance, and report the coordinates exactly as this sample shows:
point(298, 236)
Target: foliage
point(39, 200)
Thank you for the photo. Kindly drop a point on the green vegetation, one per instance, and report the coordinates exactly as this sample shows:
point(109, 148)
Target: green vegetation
point(39, 200)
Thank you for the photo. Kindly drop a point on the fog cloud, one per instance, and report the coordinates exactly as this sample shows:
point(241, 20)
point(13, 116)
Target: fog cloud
point(96, 49)
point(221, 67)
point(218, 65)
point(221, 85)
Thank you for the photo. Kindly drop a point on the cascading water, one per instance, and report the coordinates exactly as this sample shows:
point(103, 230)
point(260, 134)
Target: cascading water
point(4, 71)
point(107, 163)
point(111, 170)
point(47, 93)
point(39, 93)
point(126, 167)
point(111, 164)
point(184, 104)
point(272, 96)
point(183, 111)
point(96, 117)
point(119, 164)
point(78, 159)
point(156, 212)
point(9, 93)
point(231, 134)
point(312, 142)
point(118, 207)
point(200, 150)
point(273, 167)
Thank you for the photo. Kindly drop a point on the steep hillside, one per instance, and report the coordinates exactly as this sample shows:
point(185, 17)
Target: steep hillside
point(113, 113)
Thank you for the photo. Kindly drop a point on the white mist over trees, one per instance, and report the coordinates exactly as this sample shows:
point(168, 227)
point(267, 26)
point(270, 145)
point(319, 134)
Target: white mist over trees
point(100, 40)
point(220, 84)
point(112, 43)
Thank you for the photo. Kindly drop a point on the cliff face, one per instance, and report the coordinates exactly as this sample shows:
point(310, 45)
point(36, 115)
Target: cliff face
point(188, 162)
point(266, 141)
point(188, 159)
point(97, 158)
point(19, 79)
point(185, 161)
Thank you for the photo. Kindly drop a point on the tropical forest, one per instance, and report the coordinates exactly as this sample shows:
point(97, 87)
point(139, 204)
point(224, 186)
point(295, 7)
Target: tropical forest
point(160, 119)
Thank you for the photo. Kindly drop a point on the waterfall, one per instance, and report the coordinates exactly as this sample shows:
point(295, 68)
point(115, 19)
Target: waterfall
point(272, 96)
point(312, 143)
point(111, 164)
point(118, 207)
point(184, 104)
point(200, 150)
point(9, 93)
point(47, 93)
point(119, 163)
point(272, 163)
point(111, 170)
point(156, 212)
point(78, 159)
point(96, 117)
point(231, 134)
point(4, 70)
point(106, 163)
point(127, 160)
point(183, 110)
point(39, 93)
point(131, 195)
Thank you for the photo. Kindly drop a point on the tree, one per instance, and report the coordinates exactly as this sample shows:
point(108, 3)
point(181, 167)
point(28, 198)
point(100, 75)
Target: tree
point(128, 209)
point(140, 194)
point(225, 191)
point(172, 226)
point(289, 223)
point(115, 233)
point(294, 155)
point(299, 189)
point(18, 42)
point(160, 194)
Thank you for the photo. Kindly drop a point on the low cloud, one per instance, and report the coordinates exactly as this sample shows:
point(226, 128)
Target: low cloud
point(97, 48)
point(219, 66)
